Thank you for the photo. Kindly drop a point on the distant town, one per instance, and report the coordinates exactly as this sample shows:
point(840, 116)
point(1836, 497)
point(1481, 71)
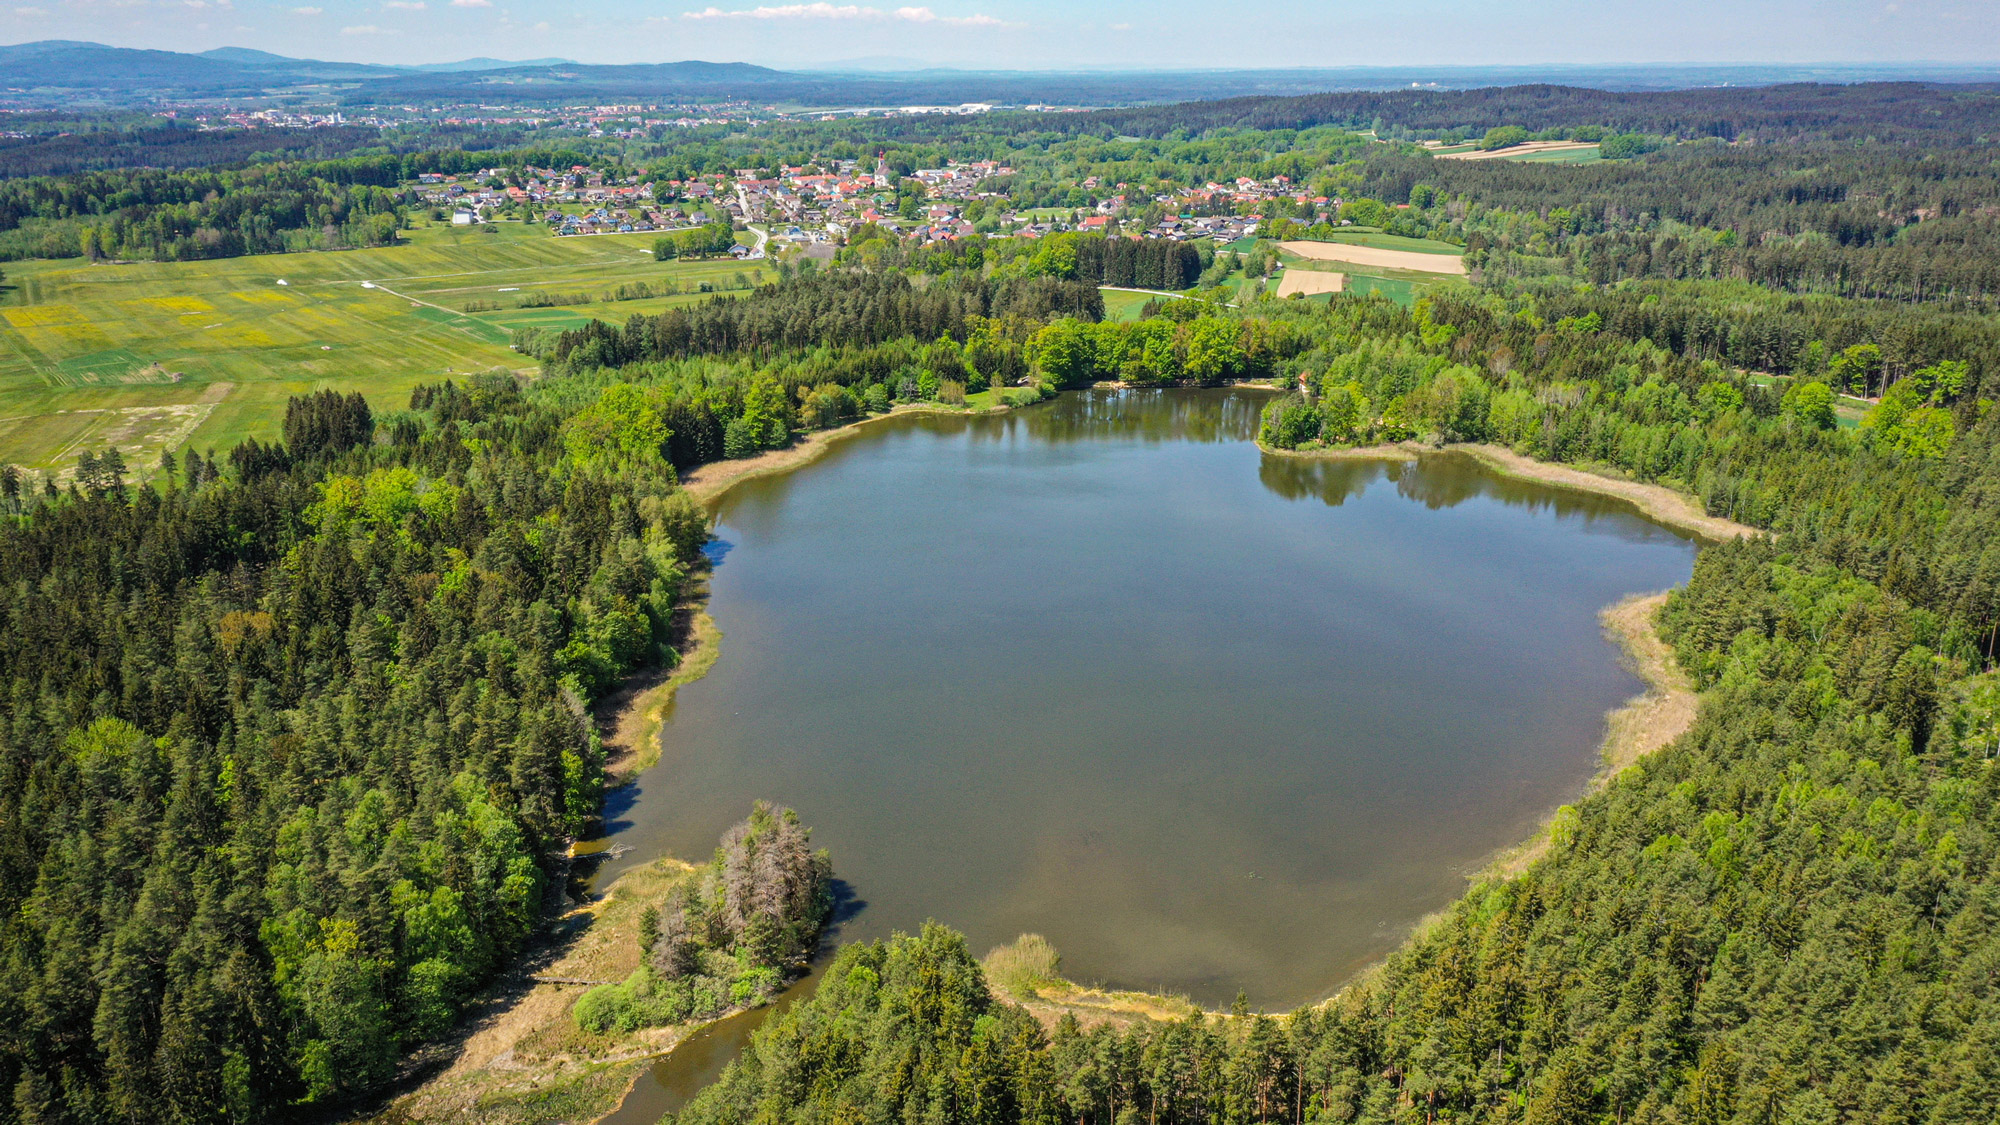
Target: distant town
point(824, 203)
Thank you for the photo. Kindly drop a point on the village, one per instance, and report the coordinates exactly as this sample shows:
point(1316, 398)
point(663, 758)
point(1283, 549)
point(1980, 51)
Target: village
point(824, 202)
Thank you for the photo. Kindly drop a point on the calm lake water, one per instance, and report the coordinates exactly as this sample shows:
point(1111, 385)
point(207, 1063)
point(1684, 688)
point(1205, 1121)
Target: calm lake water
point(1099, 669)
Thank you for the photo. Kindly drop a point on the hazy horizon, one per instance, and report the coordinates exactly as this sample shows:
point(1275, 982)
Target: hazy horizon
point(1044, 35)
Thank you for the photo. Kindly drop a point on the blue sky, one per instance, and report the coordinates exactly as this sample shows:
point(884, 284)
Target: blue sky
point(1029, 34)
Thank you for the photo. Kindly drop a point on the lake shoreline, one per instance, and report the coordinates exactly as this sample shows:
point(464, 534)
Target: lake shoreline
point(638, 720)
point(1656, 502)
point(1644, 724)
point(599, 1081)
point(630, 717)
point(708, 482)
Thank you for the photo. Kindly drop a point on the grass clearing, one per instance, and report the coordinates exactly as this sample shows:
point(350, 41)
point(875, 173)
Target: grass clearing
point(1400, 290)
point(1028, 971)
point(1123, 305)
point(149, 342)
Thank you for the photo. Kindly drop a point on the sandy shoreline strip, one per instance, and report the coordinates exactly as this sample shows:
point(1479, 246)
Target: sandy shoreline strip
point(1659, 503)
point(1656, 502)
point(708, 482)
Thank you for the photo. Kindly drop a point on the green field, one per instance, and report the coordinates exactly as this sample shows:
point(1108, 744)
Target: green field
point(161, 355)
point(1403, 291)
point(1399, 285)
point(1123, 306)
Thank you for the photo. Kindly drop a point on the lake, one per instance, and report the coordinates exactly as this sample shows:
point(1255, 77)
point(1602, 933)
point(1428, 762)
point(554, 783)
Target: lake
point(1210, 720)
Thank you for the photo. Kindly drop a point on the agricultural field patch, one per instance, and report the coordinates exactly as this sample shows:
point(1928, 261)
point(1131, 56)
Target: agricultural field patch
point(1530, 150)
point(1414, 261)
point(1310, 282)
point(1383, 241)
point(78, 340)
point(139, 433)
point(1403, 291)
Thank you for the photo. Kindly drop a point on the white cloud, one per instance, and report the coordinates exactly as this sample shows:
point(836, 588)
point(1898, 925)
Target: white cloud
point(403, 6)
point(825, 11)
point(925, 15)
point(361, 29)
point(472, 3)
point(307, 11)
point(31, 13)
point(542, 26)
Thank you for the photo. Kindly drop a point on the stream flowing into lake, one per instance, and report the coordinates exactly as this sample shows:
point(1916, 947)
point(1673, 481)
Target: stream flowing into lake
point(1210, 720)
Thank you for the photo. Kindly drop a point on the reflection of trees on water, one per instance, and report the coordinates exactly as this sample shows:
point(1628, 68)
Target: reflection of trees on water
point(1445, 480)
point(1151, 416)
point(1331, 481)
point(1438, 480)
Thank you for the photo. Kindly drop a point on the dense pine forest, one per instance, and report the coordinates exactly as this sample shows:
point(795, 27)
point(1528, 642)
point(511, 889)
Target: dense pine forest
point(259, 206)
point(293, 743)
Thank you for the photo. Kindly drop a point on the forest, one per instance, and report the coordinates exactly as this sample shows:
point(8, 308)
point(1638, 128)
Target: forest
point(1879, 111)
point(259, 206)
point(170, 146)
point(293, 742)
point(181, 216)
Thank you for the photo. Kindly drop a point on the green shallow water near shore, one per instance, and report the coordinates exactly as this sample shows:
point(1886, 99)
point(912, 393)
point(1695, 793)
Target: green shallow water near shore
point(1208, 719)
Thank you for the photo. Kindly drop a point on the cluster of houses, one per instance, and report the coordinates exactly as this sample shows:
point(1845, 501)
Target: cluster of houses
point(274, 119)
point(812, 204)
point(822, 203)
point(620, 205)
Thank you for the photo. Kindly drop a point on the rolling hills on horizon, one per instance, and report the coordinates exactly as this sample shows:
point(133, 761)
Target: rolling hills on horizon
point(53, 71)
